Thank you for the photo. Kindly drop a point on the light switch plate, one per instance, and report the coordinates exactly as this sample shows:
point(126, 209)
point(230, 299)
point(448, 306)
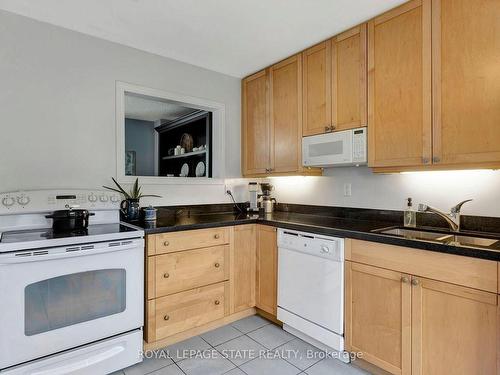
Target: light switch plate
point(347, 190)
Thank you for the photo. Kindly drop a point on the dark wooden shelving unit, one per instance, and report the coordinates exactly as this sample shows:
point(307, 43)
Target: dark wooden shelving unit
point(199, 125)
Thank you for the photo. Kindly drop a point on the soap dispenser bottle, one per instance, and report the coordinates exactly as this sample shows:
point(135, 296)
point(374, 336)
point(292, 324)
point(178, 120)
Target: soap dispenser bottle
point(410, 215)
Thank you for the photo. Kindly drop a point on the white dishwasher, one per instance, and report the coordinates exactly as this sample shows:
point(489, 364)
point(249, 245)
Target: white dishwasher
point(311, 287)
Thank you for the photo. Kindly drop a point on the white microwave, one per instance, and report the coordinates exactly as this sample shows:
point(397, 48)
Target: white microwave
point(342, 148)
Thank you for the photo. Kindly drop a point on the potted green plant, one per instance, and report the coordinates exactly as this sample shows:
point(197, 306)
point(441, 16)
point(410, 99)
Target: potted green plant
point(130, 205)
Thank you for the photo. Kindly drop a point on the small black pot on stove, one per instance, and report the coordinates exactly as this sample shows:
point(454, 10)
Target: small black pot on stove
point(69, 220)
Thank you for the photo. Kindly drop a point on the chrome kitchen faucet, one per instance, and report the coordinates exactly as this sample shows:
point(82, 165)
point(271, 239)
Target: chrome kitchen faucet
point(453, 218)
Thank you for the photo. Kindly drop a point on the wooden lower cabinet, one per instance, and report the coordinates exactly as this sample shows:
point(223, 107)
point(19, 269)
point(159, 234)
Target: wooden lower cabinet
point(243, 267)
point(378, 316)
point(267, 266)
point(197, 280)
point(454, 329)
point(406, 324)
point(189, 269)
point(181, 311)
point(187, 240)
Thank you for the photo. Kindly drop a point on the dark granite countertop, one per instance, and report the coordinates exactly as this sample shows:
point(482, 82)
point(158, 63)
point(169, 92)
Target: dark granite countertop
point(337, 223)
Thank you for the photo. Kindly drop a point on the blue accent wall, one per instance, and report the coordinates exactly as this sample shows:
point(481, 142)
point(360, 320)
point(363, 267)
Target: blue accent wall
point(139, 137)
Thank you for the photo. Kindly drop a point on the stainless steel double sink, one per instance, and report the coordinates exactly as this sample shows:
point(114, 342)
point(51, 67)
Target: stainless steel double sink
point(444, 238)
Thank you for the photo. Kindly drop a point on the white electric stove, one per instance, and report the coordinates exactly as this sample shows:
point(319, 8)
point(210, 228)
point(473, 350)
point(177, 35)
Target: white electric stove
point(72, 303)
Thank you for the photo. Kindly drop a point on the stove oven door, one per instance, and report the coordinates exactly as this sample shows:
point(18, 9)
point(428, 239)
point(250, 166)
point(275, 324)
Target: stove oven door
point(57, 299)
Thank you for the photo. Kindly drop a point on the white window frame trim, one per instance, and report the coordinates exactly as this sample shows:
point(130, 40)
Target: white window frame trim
point(218, 136)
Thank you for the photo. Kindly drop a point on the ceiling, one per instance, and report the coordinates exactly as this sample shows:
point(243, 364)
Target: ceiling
point(143, 108)
point(234, 37)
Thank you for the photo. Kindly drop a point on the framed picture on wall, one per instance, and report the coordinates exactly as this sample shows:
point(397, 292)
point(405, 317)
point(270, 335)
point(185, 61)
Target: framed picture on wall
point(130, 163)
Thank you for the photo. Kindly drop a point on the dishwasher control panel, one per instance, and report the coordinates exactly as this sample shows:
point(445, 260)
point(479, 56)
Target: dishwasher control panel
point(322, 246)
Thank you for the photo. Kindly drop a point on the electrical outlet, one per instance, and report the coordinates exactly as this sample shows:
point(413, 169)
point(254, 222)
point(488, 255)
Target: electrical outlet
point(347, 190)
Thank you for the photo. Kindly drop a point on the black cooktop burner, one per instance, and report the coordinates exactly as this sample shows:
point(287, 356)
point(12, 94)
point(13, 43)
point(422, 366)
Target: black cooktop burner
point(48, 233)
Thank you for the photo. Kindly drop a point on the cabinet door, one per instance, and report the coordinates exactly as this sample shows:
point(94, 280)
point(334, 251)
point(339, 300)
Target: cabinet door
point(378, 316)
point(243, 267)
point(454, 328)
point(317, 89)
point(180, 312)
point(399, 86)
point(349, 85)
point(256, 135)
point(267, 262)
point(286, 114)
point(466, 81)
point(177, 272)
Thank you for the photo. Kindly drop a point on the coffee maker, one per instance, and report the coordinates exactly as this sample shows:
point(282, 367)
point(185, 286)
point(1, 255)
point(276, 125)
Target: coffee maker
point(267, 202)
point(253, 193)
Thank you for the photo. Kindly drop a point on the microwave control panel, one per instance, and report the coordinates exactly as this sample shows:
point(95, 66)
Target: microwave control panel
point(359, 145)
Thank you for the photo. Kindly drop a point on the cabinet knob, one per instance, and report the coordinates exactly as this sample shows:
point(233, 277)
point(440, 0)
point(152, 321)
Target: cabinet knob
point(217, 265)
point(436, 159)
point(425, 160)
point(166, 243)
point(166, 275)
point(327, 129)
point(405, 279)
point(217, 302)
point(166, 317)
point(414, 282)
point(216, 236)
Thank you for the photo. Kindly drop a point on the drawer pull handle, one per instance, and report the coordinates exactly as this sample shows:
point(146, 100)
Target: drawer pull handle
point(166, 317)
point(216, 236)
point(217, 265)
point(166, 275)
point(217, 302)
point(166, 243)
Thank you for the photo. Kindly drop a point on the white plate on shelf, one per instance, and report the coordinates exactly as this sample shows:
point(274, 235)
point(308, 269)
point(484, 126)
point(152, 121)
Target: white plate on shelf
point(184, 170)
point(200, 169)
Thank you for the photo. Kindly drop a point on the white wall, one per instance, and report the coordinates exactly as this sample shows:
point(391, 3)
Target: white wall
point(57, 108)
point(57, 128)
point(389, 191)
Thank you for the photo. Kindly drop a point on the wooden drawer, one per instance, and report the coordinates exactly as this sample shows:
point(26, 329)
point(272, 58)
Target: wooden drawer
point(467, 271)
point(190, 269)
point(185, 240)
point(179, 312)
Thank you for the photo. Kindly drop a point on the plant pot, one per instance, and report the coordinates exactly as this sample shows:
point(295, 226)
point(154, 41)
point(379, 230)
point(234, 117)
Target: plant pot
point(130, 209)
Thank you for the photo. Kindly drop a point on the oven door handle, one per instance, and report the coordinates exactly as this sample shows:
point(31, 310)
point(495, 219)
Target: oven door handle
point(69, 252)
point(82, 364)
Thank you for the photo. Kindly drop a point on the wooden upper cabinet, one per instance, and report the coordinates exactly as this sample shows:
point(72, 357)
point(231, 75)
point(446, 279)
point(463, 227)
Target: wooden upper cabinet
point(317, 102)
point(286, 115)
point(453, 328)
point(466, 81)
point(378, 316)
point(256, 135)
point(399, 86)
point(349, 84)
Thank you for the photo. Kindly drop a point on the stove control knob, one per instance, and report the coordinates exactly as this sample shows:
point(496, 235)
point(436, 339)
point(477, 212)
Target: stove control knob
point(8, 201)
point(92, 198)
point(103, 198)
point(115, 199)
point(23, 200)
